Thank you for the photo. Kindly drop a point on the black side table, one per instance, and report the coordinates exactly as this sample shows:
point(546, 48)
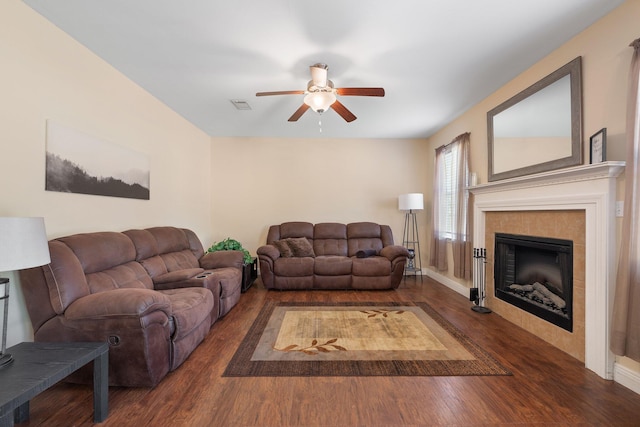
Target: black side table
point(249, 274)
point(37, 366)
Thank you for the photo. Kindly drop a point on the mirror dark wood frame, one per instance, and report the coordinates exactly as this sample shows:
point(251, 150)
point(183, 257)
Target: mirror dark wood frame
point(574, 70)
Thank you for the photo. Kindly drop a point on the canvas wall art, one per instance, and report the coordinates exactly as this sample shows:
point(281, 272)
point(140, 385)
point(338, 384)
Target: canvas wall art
point(80, 163)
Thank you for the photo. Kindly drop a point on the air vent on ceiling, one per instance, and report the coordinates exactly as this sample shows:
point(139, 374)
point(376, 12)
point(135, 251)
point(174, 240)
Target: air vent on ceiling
point(241, 104)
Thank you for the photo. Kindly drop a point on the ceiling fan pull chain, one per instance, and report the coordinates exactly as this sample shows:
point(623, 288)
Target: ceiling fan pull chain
point(320, 123)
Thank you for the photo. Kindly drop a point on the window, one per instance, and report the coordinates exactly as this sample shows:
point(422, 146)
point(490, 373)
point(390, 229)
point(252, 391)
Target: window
point(451, 182)
point(450, 208)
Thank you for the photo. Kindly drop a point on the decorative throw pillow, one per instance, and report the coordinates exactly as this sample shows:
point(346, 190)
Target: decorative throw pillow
point(301, 247)
point(283, 247)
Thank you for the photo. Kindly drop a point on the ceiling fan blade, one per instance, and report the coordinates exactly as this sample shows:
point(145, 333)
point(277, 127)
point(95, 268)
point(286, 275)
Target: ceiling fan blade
point(343, 111)
point(299, 112)
point(360, 91)
point(282, 92)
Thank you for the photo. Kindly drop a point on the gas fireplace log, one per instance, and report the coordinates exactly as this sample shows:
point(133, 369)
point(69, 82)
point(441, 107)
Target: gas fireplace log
point(559, 302)
point(540, 292)
point(521, 288)
point(537, 295)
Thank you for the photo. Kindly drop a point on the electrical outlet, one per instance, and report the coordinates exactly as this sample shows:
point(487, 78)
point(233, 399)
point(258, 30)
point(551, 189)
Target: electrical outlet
point(619, 208)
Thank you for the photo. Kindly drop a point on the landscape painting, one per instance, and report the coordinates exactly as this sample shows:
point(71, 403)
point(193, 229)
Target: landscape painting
point(80, 163)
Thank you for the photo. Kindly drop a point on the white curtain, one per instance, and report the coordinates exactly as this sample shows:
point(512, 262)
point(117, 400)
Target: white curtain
point(451, 216)
point(625, 330)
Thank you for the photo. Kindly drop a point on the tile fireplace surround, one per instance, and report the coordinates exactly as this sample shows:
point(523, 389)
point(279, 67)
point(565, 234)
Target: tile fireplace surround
point(583, 198)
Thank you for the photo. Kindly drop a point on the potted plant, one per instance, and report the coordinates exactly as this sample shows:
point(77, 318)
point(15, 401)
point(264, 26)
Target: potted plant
point(229, 244)
point(250, 267)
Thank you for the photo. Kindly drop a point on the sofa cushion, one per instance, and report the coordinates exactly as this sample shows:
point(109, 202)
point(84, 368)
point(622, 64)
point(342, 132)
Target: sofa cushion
point(294, 267)
point(300, 247)
point(129, 275)
point(144, 242)
point(179, 260)
point(155, 266)
point(100, 251)
point(296, 229)
point(330, 230)
point(336, 247)
point(194, 243)
point(364, 236)
point(147, 251)
point(169, 239)
point(357, 230)
point(330, 239)
point(332, 265)
point(372, 266)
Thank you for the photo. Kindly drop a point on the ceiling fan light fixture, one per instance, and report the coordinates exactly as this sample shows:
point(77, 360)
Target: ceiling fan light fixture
point(321, 95)
point(319, 74)
point(320, 101)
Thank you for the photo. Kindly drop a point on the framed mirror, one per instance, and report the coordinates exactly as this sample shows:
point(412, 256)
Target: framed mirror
point(539, 129)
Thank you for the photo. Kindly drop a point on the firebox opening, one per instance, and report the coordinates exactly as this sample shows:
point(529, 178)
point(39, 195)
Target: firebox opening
point(536, 275)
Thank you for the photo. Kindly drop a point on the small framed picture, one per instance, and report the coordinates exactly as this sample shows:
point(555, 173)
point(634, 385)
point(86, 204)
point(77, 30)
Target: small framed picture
point(598, 143)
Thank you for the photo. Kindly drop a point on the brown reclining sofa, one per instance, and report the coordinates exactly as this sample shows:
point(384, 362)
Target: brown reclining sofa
point(152, 294)
point(301, 255)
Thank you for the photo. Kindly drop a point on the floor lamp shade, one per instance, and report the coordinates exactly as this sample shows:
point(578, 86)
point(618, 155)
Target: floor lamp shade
point(23, 244)
point(411, 201)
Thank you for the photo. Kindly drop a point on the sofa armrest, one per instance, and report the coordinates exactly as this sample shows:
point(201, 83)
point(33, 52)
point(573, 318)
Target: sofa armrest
point(392, 252)
point(118, 303)
point(221, 259)
point(269, 251)
point(268, 254)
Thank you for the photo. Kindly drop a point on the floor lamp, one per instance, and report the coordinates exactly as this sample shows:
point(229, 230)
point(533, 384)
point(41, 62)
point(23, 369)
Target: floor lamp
point(23, 244)
point(411, 202)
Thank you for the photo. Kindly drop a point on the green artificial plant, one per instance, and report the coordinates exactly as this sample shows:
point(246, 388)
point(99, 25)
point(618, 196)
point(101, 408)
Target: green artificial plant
point(229, 244)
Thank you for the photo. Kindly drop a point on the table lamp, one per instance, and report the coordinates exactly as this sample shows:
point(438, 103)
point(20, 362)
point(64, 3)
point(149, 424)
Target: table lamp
point(23, 244)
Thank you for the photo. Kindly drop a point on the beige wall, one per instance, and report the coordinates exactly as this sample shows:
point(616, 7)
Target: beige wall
point(259, 182)
point(605, 67)
point(606, 58)
point(47, 75)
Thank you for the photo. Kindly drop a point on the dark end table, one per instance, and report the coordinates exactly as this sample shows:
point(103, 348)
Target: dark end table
point(249, 274)
point(37, 366)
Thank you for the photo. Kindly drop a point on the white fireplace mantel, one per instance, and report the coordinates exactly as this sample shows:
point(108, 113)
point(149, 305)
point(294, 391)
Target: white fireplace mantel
point(591, 188)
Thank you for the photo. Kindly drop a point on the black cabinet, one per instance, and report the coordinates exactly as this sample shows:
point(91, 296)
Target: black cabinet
point(249, 274)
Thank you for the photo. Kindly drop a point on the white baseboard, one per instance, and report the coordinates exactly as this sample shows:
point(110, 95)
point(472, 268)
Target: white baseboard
point(449, 283)
point(626, 377)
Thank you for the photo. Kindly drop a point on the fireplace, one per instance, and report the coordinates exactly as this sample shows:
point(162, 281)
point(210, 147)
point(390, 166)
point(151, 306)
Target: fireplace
point(536, 275)
point(551, 204)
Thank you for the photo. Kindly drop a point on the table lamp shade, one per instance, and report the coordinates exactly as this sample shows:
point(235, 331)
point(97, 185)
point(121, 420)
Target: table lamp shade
point(411, 201)
point(23, 243)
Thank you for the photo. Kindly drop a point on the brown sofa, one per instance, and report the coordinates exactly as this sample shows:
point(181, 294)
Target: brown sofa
point(151, 294)
point(359, 255)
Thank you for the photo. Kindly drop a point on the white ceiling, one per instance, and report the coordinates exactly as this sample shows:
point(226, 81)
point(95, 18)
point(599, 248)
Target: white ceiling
point(435, 58)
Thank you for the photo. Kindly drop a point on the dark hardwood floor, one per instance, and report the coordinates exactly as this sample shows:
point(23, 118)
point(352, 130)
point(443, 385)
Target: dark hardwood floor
point(548, 387)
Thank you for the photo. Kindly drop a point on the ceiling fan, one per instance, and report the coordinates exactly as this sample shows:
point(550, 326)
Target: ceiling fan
point(322, 95)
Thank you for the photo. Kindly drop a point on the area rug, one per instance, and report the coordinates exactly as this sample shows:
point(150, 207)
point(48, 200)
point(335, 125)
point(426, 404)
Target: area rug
point(357, 339)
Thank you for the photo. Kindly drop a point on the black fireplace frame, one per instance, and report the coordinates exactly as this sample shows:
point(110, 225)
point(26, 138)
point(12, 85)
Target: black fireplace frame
point(503, 275)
